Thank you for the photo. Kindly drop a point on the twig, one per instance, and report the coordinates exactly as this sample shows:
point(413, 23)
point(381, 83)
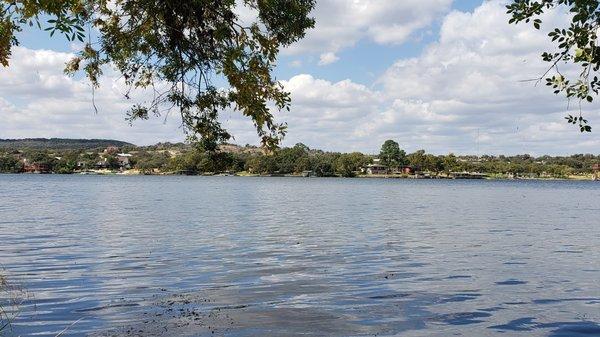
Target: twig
point(68, 327)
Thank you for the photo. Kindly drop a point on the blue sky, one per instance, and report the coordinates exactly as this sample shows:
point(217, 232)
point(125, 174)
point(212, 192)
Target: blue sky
point(439, 75)
point(367, 60)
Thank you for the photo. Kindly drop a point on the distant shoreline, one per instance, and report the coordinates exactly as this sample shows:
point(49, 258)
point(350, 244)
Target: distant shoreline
point(360, 176)
point(63, 156)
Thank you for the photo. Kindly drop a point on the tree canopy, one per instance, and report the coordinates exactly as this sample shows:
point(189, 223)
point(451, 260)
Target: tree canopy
point(576, 44)
point(391, 155)
point(167, 158)
point(178, 50)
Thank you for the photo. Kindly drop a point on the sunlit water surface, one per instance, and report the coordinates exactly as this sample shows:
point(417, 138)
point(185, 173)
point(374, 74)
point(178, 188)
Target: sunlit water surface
point(201, 256)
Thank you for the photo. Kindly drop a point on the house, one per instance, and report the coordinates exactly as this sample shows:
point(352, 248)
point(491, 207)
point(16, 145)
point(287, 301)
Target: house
point(308, 173)
point(102, 164)
point(36, 168)
point(124, 160)
point(406, 170)
point(111, 150)
point(468, 175)
point(376, 169)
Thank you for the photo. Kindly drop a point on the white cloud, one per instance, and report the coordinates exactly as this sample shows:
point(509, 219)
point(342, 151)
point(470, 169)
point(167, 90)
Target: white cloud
point(463, 89)
point(340, 101)
point(38, 100)
point(463, 92)
point(342, 23)
point(323, 114)
point(327, 58)
point(469, 85)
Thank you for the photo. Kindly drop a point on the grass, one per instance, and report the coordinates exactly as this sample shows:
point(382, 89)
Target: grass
point(10, 300)
point(4, 321)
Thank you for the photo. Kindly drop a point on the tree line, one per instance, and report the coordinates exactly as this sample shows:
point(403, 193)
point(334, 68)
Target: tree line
point(298, 159)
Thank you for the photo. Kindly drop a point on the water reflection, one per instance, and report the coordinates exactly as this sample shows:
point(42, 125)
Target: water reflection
point(558, 329)
point(312, 257)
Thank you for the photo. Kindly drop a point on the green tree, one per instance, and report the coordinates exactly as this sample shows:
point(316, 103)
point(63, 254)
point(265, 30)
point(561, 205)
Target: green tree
point(417, 159)
point(88, 159)
point(267, 164)
point(433, 163)
point(42, 158)
point(391, 155)
point(450, 163)
point(287, 158)
point(576, 44)
point(262, 164)
point(323, 164)
point(303, 147)
point(113, 162)
point(177, 49)
point(302, 164)
point(344, 166)
point(9, 164)
point(187, 161)
point(147, 162)
point(67, 162)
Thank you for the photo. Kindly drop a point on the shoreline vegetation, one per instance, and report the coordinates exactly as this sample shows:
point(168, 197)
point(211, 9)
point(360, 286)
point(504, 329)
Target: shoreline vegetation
point(108, 157)
point(11, 298)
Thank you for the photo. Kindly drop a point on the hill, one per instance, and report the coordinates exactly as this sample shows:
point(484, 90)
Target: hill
point(60, 143)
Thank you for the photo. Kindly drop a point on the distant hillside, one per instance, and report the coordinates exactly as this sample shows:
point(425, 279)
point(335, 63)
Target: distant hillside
point(59, 143)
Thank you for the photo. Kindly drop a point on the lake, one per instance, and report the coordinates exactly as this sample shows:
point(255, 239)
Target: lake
point(233, 256)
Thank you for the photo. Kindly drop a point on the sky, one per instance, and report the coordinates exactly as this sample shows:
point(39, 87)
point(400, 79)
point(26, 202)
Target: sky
point(446, 76)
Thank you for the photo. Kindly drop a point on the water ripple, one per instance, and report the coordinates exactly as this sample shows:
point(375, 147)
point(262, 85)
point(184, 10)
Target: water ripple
point(199, 256)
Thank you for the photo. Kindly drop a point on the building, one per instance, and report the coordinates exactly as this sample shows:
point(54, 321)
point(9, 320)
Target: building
point(376, 169)
point(102, 164)
point(406, 169)
point(111, 150)
point(36, 168)
point(308, 173)
point(124, 160)
point(468, 175)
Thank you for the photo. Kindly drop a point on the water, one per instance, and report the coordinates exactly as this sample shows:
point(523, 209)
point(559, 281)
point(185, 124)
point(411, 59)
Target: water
point(230, 256)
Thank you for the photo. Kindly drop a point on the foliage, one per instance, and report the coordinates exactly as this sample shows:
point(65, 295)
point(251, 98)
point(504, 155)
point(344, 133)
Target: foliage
point(178, 50)
point(11, 298)
point(391, 155)
point(576, 44)
point(112, 162)
point(170, 158)
point(289, 157)
point(148, 161)
point(4, 319)
point(10, 164)
point(59, 143)
point(347, 164)
point(417, 159)
point(42, 158)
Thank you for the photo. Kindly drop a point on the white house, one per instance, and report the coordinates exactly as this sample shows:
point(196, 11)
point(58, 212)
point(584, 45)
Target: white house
point(376, 169)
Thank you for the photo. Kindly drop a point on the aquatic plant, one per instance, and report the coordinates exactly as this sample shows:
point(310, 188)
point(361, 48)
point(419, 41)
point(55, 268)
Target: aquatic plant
point(3, 316)
point(11, 298)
